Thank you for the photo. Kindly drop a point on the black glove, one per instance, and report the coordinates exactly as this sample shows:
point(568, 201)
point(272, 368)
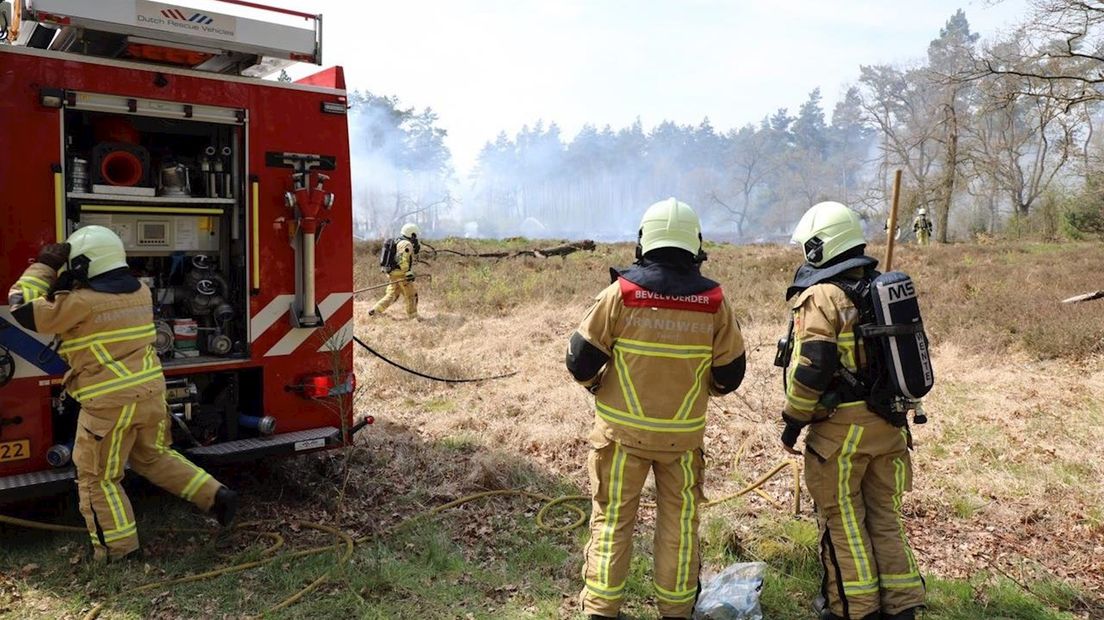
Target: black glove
point(790, 434)
point(409, 277)
point(53, 255)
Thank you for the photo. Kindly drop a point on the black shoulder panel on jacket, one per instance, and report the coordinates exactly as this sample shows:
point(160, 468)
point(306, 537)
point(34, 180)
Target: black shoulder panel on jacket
point(823, 359)
point(24, 315)
point(729, 377)
point(584, 360)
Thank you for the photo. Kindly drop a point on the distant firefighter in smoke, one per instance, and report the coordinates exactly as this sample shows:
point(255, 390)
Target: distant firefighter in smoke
point(397, 261)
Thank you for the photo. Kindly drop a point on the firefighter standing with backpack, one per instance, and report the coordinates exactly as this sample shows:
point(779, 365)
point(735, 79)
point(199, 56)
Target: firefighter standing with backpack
point(653, 347)
point(922, 227)
point(857, 465)
point(397, 261)
point(104, 318)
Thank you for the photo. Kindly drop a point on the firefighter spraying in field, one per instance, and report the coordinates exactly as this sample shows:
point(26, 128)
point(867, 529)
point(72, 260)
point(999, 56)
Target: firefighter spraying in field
point(655, 345)
point(397, 261)
point(83, 292)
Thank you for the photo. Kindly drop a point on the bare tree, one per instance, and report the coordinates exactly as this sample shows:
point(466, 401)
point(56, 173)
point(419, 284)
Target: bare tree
point(1022, 141)
point(1065, 41)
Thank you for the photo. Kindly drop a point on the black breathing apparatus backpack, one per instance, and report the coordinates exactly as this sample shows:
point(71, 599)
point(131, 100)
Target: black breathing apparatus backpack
point(389, 256)
point(898, 370)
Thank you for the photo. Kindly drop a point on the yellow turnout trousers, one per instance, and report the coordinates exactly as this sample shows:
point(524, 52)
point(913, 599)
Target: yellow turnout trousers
point(617, 475)
point(857, 469)
point(398, 286)
point(138, 433)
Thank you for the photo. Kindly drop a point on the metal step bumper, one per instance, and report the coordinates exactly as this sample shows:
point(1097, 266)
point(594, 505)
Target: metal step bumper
point(36, 484)
point(273, 445)
point(56, 481)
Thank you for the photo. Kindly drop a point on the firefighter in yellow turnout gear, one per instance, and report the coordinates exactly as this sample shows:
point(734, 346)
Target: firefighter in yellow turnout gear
point(653, 347)
point(401, 274)
point(922, 227)
point(857, 465)
point(104, 318)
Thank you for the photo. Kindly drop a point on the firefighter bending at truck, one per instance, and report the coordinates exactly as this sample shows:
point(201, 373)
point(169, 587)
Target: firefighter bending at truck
point(922, 227)
point(83, 292)
point(857, 465)
point(397, 261)
point(653, 347)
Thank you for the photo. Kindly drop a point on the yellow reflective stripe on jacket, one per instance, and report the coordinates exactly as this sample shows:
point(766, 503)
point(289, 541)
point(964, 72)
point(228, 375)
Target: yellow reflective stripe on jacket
point(686, 528)
point(621, 346)
point(695, 390)
point(34, 281)
point(109, 337)
point(32, 287)
point(846, 343)
point(615, 416)
point(851, 527)
point(799, 403)
point(660, 349)
point(103, 357)
point(628, 390)
point(114, 385)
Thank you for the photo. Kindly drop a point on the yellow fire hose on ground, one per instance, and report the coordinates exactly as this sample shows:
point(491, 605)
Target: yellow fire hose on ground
point(345, 544)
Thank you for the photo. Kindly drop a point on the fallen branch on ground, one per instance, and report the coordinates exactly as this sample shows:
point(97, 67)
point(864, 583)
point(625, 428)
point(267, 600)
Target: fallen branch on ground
point(559, 250)
point(1085, 297)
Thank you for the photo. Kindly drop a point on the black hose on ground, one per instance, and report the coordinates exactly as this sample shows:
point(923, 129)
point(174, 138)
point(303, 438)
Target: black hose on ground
point(422, 374)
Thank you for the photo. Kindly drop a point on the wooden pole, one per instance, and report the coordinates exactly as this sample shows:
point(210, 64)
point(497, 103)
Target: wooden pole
point(891, 232)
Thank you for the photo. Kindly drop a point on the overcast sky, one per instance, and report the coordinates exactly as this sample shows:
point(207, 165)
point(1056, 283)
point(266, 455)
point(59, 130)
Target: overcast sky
point(492, 65)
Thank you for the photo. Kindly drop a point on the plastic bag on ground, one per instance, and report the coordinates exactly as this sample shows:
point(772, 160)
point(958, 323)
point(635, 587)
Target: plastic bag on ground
point(733, 594)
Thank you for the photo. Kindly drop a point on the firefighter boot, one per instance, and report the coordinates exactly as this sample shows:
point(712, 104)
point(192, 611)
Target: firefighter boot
point(597, 617)
point(908, 614)
point(225, 506)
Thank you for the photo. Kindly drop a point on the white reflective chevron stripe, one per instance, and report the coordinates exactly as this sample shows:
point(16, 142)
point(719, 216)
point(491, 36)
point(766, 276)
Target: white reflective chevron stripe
point(271, 313)
point(24, 368)
point(297, 336)
point(341, 339)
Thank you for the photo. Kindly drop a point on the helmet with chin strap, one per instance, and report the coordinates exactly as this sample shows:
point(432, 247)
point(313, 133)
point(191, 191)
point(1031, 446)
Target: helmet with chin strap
point(827, 230)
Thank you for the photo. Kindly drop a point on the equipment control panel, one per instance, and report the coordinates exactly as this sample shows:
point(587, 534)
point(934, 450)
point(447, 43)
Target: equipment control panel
point(156, 234)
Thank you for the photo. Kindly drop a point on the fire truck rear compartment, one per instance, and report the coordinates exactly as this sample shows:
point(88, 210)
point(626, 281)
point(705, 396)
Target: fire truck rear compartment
point(172, 190)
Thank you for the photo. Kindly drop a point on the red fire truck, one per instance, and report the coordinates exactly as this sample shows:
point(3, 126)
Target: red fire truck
point(231, 194)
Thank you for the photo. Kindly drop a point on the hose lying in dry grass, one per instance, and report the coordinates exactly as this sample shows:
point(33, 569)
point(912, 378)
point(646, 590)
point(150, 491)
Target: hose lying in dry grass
point(345, 543)
point(424, 375)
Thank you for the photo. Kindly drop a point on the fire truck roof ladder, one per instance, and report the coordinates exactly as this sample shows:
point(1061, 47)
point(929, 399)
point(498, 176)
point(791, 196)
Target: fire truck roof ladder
point(239, 37)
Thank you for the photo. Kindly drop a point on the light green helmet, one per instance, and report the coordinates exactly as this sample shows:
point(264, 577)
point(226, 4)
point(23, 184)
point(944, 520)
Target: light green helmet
point(409, 230)
point(827, 230)
point(670, 224)
point(99, 246)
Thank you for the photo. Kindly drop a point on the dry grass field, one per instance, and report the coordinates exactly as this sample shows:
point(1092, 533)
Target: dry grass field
point(1007, 514)
point(1008, 469)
